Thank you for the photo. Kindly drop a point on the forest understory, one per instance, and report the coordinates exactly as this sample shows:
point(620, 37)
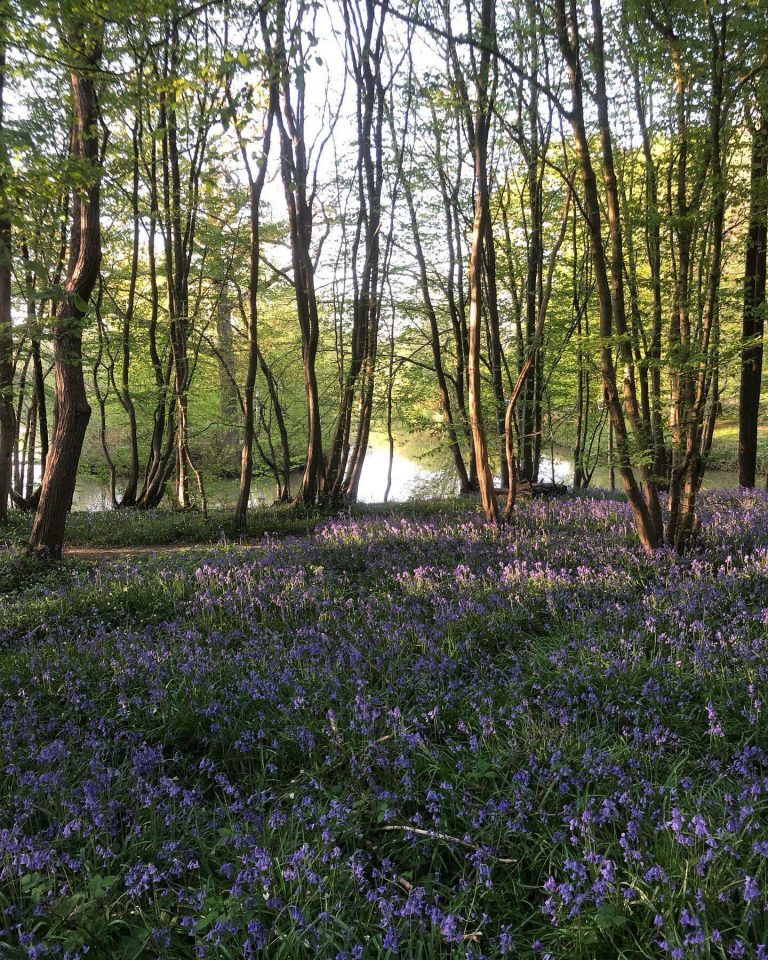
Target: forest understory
point(368, 372)
point(414, 735)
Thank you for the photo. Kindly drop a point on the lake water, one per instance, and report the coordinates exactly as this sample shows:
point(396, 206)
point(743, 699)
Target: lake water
point(416, 474)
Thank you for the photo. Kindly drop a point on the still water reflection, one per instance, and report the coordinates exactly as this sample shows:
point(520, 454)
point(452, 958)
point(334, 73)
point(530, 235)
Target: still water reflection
point(416, 474)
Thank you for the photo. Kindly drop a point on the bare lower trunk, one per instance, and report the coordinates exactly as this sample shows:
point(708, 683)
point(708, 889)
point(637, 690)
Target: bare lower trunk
point(7, 413)
point(58, 488)
point(435, 342)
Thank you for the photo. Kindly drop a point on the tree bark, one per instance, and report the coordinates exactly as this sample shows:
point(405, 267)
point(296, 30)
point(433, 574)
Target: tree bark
point(294, 171)
point(128, 498)
point(754, 307)
point(437, 352)
point(7, 413)
point(481, 122)
point(568, 38)
point(256, 185)
point(365, 31)
point(47, 537)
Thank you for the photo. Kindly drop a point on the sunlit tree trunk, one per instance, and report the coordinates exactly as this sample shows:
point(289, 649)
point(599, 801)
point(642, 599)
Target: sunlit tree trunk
point(159, 461)
point(482, 115)
point(695, 379)
point(128, 498)
point(568, 35)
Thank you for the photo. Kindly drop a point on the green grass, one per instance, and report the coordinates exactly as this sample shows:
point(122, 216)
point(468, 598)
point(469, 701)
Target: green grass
point(725, 447)
point(136, 528)
point(126, 529)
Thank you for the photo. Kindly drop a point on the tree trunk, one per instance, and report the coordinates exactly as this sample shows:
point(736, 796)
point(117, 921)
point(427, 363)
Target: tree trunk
point(482, 213)
point(163, 424)
point(7, 413)
point(128, 498)
point(294, 170)
point(249, 430)
point(648, 531)
point(754, 308)
point(31, 438)
point(47, 537)
point(494, 346)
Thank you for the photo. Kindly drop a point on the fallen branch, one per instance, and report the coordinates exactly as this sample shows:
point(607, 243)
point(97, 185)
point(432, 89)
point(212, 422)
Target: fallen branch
point(435, 835)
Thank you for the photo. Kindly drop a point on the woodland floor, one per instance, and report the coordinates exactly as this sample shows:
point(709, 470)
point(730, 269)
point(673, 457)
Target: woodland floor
point(408, 735)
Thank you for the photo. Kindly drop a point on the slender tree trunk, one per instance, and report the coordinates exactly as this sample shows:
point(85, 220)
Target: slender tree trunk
point(531, 412)
point(754, 308)
point(494, 344)
point(249, 428)
point(699, 342)
point(455, 294)
point(294, 169)
point(7, 413)
point(163, 423)
point(479, 232)
point(21, 396)
point(229, 407)
point(128, 498)
point(582, 374)
point(246, 457)
point(701, 420)
point(31, 438)
point(568, 38)
point(530, 365)
point(103, 395)
point(434, 328)
point(437, 352)
point(42, 411)
point(639, 425)
point(178, 286)
point(653, 249)
point(364, 30)
point(390, 389)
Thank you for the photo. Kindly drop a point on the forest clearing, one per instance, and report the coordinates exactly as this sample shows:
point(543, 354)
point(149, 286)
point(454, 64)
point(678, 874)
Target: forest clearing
point(383, 479)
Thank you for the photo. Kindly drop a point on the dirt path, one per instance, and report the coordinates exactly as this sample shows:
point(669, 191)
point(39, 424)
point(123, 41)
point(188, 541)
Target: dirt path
point(111, 553)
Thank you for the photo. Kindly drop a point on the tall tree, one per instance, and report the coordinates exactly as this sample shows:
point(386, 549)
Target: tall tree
point(446, 406)
point(481, 119)
point(609, 285)
point(289, 75)
point(365, 32)
point(698, 221)
point(83, 41)
point(753, 322)
point(7, 412)
point(255, 187)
